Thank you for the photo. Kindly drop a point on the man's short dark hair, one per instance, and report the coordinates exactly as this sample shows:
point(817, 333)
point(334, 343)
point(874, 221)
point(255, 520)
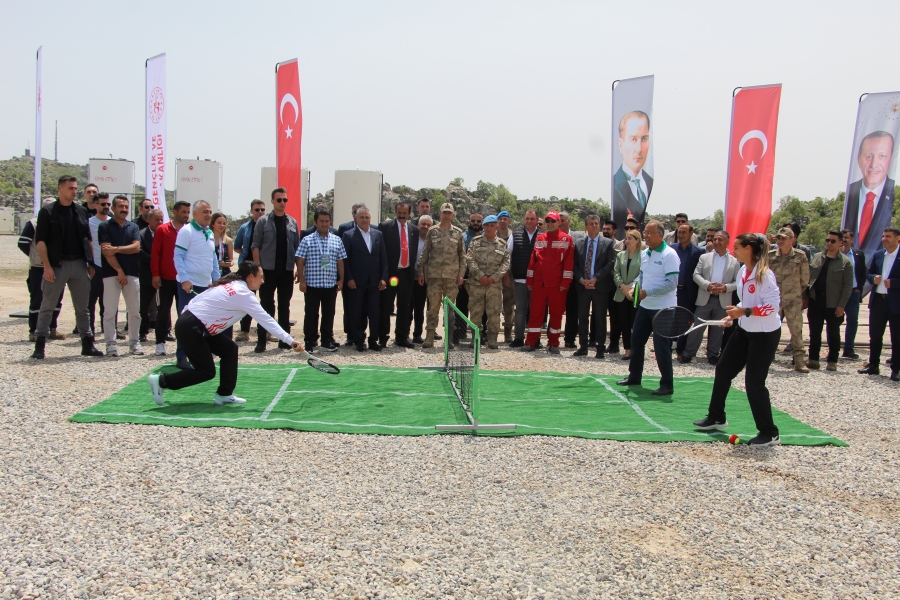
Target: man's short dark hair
point(146, 200)
point(593, 218)
point(278, 191)
point(836, 234)
point(179, 203)
point(255, 202)
point(688, 225)
point(725, 233)
point(403, 203)
point(321, 210)
point(795, 227)
point(609, 222)
point(121, 197)
point(848, 232)
point(93, 185)
point(632, 220)
point(893, 230)
point(872, 136)
point(530, 210)
point(67, 179)
point(681, 215)
point(101, 196)
point(421, 200)
point(713, 229)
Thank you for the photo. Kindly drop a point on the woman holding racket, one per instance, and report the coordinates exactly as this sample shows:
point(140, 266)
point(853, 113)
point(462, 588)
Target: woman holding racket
point(753, 343)
point(199, 329)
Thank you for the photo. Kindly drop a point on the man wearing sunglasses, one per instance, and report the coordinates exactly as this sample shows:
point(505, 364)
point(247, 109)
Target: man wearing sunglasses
point(242, 241)
point(830, 285)
point(276, 237)
point(102, 208)
point(549, 278)
point(672, 236)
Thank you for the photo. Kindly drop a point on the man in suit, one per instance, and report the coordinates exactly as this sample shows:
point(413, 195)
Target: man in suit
point(595, 257)
point(341, 230)
point(147, 291)
point(632, 185)
point(345, 227)
point(716, 278)
point(366, 275)
point(884, 303)
point(851, 310)
point(870, 201)
point(401, 240)
point(689, 254)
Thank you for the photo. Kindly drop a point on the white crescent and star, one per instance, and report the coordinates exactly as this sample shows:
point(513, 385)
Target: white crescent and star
point(288, 99)
point(753, 134)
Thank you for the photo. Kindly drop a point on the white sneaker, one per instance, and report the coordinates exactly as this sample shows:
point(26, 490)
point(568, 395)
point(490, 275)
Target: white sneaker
point(111, 350)
point(153, 382)
point(232, 399)
point(136, 349)
point(161, 349)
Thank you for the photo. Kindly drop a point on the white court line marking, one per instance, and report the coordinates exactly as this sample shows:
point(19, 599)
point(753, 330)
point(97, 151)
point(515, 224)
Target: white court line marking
point(634, 406)
point(278, 396)
point(370, 393)
point(423, 428)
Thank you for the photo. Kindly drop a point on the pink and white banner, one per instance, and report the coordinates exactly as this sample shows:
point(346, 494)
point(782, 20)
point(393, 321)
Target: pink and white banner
point(37, 137)
point(155, 107)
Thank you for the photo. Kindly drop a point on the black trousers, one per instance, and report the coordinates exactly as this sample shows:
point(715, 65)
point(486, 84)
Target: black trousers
point(282, 282)
point(36, 293)
point(588, 301)
point(420, 298)
point(573, 316)
point(625, 310)
point(685, 300)
point(818, 315)
point(316, 298)
point(880, 316)
point(168, 291)
point(755, 351)
point(363, 310)
point(147, 293)
point(615, 321)
point(199, 346)
point(403, 294)
point(96, 295)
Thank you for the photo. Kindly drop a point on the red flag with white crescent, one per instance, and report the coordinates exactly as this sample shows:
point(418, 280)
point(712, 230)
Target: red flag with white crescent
point(751, 159)
point(288, 127)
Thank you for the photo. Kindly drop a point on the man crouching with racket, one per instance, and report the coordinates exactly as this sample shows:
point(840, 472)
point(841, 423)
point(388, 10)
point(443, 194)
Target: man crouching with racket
point(198, 331)
point(753, 343)
point(658, 284)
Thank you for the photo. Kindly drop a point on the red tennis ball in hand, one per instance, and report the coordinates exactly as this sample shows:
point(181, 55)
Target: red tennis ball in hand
point(734, 440)
point(394, 281)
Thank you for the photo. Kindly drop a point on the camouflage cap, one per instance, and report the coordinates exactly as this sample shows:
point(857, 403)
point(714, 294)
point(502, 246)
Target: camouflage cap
point(786, 232)
point(447, 207)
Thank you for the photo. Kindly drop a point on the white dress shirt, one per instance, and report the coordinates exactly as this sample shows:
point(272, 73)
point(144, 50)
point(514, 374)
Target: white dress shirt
point(635, 181)
point(863, 190)
point(718, 270)
point(886, 267)
point(367, 237)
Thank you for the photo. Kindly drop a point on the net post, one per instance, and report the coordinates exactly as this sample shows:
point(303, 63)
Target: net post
point(447, 312)
point(476, 347)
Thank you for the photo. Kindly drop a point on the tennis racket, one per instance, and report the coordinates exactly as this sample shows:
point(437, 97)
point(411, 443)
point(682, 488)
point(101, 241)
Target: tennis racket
point(637, 291)
point(320, 365)
point(677, 321)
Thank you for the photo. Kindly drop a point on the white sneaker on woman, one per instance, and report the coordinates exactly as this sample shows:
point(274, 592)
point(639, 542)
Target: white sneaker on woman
point(232, 399)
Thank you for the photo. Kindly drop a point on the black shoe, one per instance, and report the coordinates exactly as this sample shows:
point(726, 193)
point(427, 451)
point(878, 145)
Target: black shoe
point(872, 369)
point(600, 355)
point(628, 381)
point(360, 347)
point(329, 346)
point(765, 440)
point(349, 342)
point(260, 346)
point(849, 354)
point(283, 346)
point(418, 340)
point(580, 352)
point(527, 348)
point(87, 347)
point(375, 346)
point(895, 375)
point(713, 360)
point(592, 344)
point(685, 359)
point(553, 349)
point(888, 361)
point(513, 344)
point(708, 424)
point(437, 337)
point(662, 391)
point(39, 345)
point(383, 342)
point(120, 336)
point(539, 345)
point(570, 345)
point(170, 337)
point(626, 357)
point(612, 349)
point(404, 344)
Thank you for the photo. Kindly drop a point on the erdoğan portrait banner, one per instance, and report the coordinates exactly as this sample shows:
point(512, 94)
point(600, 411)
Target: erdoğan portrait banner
point(288, 129)
point(869, 205)
point(751, 159)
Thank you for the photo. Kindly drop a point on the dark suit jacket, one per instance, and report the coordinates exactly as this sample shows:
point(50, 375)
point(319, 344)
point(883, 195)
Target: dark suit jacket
point(146, 251)
point(312, 230)
point(625, 202)
point(894, 276)
point(362, 266)
point(390, 230)
point(604, 261)
point(687, 287)
point(880, 220)
point(859, 274)
point(345, 227)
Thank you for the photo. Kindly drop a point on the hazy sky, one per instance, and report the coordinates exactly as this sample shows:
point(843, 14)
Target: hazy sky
point(508, 92)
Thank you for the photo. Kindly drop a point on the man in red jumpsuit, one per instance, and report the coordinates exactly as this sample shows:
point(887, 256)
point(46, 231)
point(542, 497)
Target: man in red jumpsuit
point(549, 277)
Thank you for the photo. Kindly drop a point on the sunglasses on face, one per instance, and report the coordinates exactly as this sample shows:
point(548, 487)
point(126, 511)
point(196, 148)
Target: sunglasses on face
point(832, 241)
point(681, 221)
point(262, 210)
point(549, 220)
point(630, 228)
point(105, 203)
point(280, 200)
point(475, 222)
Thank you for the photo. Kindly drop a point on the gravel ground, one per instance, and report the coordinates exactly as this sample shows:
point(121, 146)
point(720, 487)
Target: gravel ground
point(93, 510)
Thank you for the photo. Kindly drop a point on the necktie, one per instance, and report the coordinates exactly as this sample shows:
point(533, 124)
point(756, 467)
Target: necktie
point(404, 247)
point(590, 259)
point(640, 191)
point(866, 220)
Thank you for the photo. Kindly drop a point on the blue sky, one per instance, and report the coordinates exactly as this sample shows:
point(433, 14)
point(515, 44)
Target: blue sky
point(509, 92)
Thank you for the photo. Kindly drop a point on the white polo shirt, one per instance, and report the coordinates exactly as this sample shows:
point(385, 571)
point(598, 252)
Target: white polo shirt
point(656, 266)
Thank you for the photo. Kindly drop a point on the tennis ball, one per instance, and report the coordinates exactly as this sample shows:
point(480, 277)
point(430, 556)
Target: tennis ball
point(734, 439)
point(394, 281)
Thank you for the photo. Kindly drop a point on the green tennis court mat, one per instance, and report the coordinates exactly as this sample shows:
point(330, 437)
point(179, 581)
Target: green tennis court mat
point(394, 401)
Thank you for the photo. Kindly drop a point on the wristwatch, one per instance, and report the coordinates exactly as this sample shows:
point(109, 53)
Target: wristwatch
point(748, 312)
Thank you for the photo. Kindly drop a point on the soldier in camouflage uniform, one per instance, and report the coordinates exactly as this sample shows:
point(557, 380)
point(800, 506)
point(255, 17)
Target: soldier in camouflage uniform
point(442, 264)
point(509, 294)
point(488, 262)
point(791, 270)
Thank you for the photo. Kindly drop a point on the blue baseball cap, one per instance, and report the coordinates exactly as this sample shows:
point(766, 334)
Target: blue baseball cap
point(503, 213)
point(490, 219)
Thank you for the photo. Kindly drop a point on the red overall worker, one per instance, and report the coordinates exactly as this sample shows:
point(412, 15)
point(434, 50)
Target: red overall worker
point(549, 277)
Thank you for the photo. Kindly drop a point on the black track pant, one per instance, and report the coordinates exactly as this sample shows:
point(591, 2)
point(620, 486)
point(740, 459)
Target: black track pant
point(200, 346)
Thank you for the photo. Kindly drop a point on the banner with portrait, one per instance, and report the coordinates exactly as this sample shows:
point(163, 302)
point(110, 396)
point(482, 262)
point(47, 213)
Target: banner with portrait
point(869, 205)
point(156, 133)
point(631, 167)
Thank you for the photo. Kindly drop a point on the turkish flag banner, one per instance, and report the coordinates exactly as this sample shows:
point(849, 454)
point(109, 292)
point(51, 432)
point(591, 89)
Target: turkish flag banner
point(751, 159)
point(288, 129)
